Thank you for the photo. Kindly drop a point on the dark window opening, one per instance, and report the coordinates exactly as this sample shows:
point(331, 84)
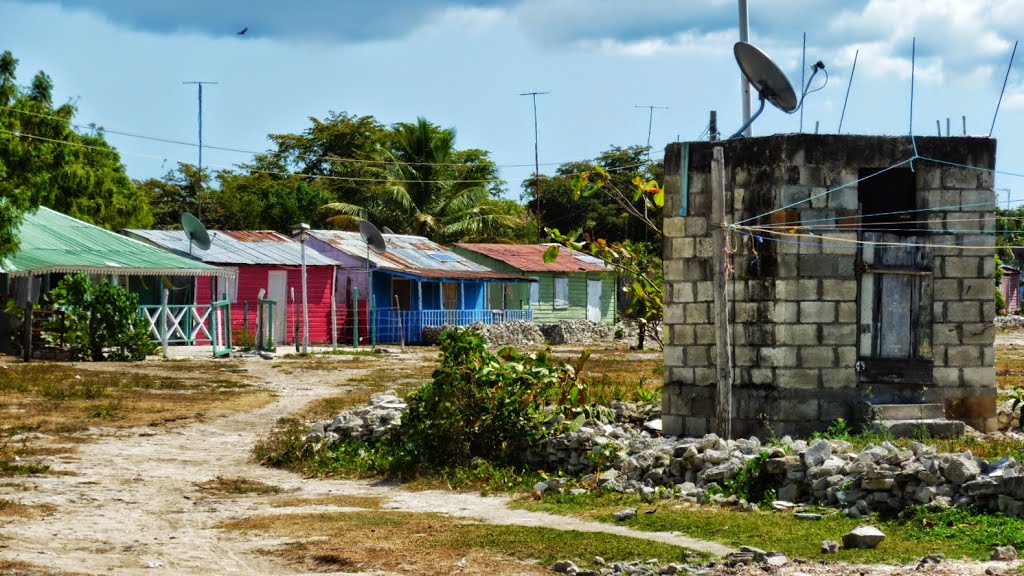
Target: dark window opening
point(888, 199)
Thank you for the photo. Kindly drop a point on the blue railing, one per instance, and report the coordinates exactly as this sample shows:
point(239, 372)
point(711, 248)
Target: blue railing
point(389, 324)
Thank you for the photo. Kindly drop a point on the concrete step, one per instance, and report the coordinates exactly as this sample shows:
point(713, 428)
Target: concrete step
point(908, 411)
point(910, 428)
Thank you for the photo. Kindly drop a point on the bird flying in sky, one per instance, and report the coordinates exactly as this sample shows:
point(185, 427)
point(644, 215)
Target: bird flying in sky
point(244, 30)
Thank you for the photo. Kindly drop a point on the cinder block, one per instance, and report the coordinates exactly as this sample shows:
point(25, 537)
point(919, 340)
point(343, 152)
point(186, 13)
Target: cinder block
point(779, 357)
point(705, 376)
point(946, 289)
point(839, 334)
point(961, 267)
point(938, 311)
point(847, 312)
point(697, 356)
point(672, 424)
point(817, 357)
point(831, 410)
point(672, 227)
point(838, 378)
point(846, 356)
point(697, 313)
point(800, 410)
point(704, 248)
point(946, 377)
point(983, 333)
point(819, 197)
point(744, 356)
point(762, 376)
point(964, 356)
point(963, 312)
point(954, 177)
point(683, 247)
point(674, 270)
point(796, 334)
point(738, 195)
point(927, 179)
point(744, 312)
point(809, 246)
point(675, 313)
point(786, 312)
point(796, 378)
point(683, 292)
point(694, 269)
point(986, 179)
point(844, 199)
point(939, 355)
point(839, 243)
point(787, 289)
point(674, 356)
point(681, 375)
point(982, 377)
point(817, 312)
point(988, 356)
point(946, 334)
point(682, 334)
point(838, 289)
point(790, 194)
point(695, 427)
point(705, 333)
point(977, 289)
point(695, 226)
point(978, 199)
point(705, 292)
point(988, 266)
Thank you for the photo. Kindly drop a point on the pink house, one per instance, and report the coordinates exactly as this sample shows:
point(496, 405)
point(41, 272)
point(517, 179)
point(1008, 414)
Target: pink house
point(265, 260)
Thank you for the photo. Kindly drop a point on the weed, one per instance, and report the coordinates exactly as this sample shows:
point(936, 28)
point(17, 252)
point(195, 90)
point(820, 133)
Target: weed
point(236, 487)
point(284, 446)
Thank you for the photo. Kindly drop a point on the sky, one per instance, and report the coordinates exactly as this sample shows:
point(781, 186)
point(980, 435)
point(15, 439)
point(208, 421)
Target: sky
point(465, 64)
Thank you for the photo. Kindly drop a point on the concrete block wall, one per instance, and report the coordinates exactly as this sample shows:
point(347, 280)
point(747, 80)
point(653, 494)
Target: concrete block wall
point(794, 301)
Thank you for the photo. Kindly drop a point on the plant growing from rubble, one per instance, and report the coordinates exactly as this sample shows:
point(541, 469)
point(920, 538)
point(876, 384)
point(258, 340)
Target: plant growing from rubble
point(635, 262)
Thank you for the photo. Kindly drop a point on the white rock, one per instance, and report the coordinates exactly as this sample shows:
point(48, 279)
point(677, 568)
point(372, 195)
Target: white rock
point(863, 537)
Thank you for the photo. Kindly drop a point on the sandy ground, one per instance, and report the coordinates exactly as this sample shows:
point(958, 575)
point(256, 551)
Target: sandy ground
point(129, 504)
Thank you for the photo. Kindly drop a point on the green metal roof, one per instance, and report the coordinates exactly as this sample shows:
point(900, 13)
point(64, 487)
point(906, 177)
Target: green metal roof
point(54, 242)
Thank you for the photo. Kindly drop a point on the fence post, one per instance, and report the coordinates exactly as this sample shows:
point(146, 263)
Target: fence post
point(163, 321)
point(26, 348)
point(334, 321)
point(401, 333)
point(355, 317)
point(245, 320)
point(371, 309)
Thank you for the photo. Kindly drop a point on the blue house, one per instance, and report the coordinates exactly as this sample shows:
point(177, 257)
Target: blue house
point(415, 283)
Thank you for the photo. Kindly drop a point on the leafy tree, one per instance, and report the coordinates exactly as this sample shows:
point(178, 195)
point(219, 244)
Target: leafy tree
point(177, 192)
point(611, 212)
point(432, 189)
point(43, 160)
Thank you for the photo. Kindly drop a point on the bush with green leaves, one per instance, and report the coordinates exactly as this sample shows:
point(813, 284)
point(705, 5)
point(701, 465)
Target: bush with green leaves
point(102, 320)
point(481, 405)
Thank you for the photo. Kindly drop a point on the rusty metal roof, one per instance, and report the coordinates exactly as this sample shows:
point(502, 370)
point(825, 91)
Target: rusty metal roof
point(258, 247)
point(413, 255)
point(530, 257)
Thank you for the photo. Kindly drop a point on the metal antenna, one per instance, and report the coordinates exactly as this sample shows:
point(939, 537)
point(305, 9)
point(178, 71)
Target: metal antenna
point(199, 199)
point(848, 85)
point(744, 83)
point(536, 156)
point(1007, 77)
point(650, 123)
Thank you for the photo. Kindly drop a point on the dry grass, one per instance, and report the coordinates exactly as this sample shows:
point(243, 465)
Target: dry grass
point(57, 402)
point(619, 374)
point(236, 486)
point(14, 509)
point(1009, 367)
point(19, 568)
point(340, 500)
point(433, 544)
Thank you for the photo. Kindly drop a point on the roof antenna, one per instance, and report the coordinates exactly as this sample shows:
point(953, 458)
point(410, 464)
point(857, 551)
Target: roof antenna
point(770, 82)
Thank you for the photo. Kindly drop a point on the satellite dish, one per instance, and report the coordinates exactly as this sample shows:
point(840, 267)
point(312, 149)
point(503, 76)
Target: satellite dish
point(374, 241)
point(771, 83)
point(195, 232)
point(388, 230)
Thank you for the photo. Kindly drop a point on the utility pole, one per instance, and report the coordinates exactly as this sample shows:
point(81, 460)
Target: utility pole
point(744, 83)
point(199, 189)
point(650, 123)
point(536, 157)
point(719, 257)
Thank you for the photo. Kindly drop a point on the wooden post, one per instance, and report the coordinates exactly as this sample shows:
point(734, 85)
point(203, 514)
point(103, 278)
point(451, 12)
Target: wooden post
point(723, 405)
point(398, 314)
point(26, 338)
point(163, 321)
point(334, 308)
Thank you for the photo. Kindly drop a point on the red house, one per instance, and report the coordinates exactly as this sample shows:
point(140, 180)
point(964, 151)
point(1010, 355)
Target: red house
point(265, 260)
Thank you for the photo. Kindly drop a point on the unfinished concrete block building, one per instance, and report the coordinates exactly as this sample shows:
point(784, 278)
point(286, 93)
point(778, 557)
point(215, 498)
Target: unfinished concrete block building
point(855, 278)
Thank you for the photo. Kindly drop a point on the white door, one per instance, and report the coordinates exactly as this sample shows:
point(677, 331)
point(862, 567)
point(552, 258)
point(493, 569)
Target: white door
point(277, 290)
point(594, 300)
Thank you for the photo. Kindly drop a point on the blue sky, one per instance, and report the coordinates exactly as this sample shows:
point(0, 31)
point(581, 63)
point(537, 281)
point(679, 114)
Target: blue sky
point(464, 65)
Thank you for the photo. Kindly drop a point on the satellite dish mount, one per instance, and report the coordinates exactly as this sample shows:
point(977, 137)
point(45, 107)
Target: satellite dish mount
point(375, 242)
point(770, 82)
point(195, 232)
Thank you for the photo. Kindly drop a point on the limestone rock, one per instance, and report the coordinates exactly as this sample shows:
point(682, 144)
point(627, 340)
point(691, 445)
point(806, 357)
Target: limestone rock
point(863, 537)
point(829, 546)
point(1004, 554)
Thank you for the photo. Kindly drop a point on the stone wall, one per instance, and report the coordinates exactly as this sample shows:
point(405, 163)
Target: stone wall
point(799, 329)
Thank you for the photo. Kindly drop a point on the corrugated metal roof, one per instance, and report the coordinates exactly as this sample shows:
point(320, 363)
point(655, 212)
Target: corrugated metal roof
point(53, 242)
point(530, 257)
point(412, 255)
point(234, 247)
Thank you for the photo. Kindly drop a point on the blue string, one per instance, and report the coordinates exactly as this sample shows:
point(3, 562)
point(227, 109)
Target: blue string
point(825, 242)
point(833, 218)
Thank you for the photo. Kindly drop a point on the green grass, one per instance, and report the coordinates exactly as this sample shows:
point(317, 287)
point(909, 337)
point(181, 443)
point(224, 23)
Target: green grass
point(426, 543)
point(913, 534)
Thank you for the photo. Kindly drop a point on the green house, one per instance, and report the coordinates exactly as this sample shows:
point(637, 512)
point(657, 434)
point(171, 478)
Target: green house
point(575, 286)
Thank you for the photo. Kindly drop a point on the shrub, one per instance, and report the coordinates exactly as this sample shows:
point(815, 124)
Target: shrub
point(101, 317)
point(482, 405)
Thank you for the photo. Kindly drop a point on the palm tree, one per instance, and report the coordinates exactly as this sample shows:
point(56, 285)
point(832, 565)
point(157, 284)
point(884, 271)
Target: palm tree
point(431, 189)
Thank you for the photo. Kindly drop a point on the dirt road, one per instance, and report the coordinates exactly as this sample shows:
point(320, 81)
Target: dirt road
point(127, 503)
